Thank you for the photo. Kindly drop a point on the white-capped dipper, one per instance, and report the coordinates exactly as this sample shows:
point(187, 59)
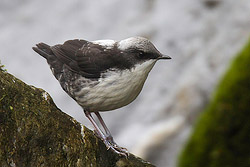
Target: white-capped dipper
point(102, 75)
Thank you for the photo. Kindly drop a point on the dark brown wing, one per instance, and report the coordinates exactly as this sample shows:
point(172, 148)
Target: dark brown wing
point(66, 53)
point(89, 59)
point(95, 59)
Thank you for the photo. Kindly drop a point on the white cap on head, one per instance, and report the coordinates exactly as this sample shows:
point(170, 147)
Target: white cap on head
point(138, 43)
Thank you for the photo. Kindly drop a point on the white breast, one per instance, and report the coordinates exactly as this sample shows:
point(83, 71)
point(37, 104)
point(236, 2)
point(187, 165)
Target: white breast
point(116, 89)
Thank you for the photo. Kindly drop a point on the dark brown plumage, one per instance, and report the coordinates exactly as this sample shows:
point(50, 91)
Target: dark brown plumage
point(85, 58)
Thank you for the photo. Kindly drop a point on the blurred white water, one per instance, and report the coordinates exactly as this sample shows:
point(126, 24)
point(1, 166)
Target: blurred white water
point(201, 36)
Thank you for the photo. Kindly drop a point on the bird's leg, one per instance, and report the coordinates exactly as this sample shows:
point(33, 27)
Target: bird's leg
point(108, 134)
point(110, 144)
point(97, 129)
point(109, 137)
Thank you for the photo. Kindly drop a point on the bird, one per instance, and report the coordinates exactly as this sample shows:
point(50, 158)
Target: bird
point(102, 75)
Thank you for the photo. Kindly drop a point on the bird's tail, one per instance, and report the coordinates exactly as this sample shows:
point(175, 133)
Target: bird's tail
point(43, 50)
point(46, 51)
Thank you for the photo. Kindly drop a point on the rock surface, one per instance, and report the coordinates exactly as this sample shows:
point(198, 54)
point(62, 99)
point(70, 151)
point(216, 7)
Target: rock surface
point(34, 132)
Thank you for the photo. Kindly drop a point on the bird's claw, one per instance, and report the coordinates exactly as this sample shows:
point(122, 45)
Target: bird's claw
point(117, 149)
point(111, 145)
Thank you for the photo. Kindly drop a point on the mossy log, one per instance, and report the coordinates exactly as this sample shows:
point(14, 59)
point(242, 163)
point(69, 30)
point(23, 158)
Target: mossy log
point(221, 137)
point(34, 132)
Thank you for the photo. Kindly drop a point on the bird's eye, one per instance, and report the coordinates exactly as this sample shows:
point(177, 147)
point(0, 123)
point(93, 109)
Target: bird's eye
point(141, 54)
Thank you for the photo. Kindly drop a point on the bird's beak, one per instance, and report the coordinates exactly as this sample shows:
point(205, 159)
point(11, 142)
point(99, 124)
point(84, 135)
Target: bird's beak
point(164, 57)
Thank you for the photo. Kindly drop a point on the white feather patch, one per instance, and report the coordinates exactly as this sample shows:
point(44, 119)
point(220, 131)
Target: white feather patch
point(109, 44)
point(116, 90)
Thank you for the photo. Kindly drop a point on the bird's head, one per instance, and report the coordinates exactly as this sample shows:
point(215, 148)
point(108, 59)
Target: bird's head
point(141, 49)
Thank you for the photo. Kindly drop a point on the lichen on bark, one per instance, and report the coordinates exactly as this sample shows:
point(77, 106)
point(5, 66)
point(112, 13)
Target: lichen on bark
point(34, 132)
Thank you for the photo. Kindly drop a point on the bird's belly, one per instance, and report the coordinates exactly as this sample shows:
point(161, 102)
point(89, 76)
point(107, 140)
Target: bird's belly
point(111, 94)
point(113, 91)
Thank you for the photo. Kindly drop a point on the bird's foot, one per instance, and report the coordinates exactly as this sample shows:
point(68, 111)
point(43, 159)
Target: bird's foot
point(115, 148)
point(111, 140)
point(110, 144)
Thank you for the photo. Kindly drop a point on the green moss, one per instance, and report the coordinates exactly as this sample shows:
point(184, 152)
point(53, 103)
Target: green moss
point(34, 132)
point(222, 135)
point(1, 67)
